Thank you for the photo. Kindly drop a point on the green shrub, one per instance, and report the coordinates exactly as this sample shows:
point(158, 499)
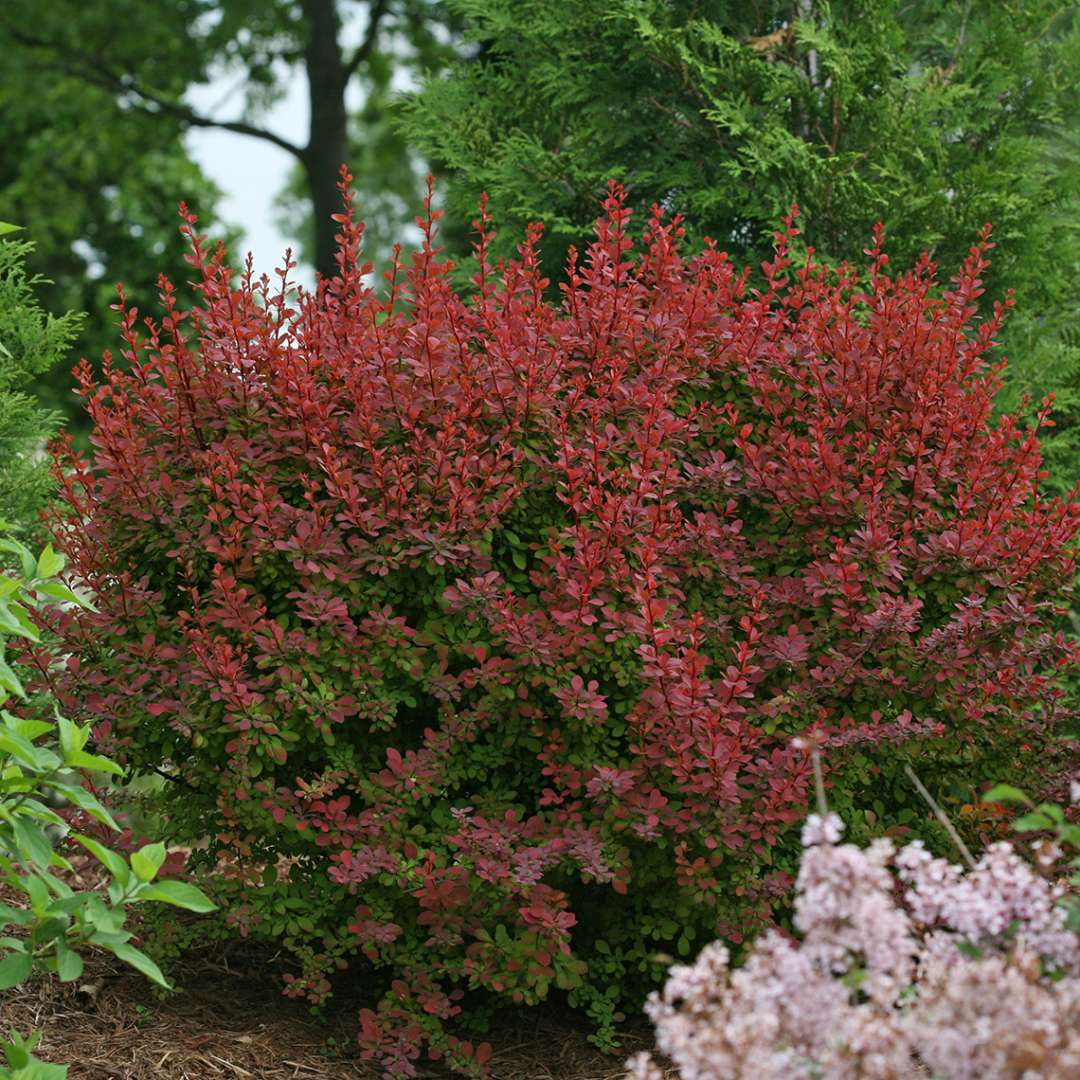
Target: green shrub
point(31, 343)
point(44, 763)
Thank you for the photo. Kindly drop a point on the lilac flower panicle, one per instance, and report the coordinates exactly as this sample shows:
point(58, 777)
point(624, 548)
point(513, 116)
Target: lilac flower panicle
point(906, 966)
point(822, 829)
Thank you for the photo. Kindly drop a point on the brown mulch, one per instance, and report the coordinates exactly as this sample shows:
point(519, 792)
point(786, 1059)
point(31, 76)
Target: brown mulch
point(231, 1021)
point(111, 1025)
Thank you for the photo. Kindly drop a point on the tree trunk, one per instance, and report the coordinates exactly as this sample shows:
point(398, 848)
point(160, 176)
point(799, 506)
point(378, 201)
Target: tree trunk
point(328, 145)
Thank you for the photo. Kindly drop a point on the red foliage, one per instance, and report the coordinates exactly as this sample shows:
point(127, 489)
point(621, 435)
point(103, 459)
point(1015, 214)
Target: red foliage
point(496, 617)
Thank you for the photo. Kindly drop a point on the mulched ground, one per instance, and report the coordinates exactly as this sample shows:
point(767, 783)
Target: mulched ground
point(231, 1021)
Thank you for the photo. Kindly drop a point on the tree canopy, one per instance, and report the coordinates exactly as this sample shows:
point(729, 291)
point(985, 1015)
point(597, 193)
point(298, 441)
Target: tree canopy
point(931, 118)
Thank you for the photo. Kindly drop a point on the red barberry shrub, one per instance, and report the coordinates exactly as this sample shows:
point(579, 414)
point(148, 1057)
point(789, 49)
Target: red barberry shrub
point(475, 630)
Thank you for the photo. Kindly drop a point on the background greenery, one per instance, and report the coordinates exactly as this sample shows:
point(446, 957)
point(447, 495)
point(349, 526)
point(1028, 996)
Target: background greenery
point(32, 343)
point(933, 117)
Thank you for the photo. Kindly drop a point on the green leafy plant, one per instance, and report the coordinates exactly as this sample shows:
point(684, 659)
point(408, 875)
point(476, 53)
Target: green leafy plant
point(31, 343)
point(45, 765)
point(21, 1063)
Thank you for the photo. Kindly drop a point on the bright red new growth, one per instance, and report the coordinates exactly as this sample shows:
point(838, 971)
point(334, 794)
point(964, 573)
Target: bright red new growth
point(495, 617)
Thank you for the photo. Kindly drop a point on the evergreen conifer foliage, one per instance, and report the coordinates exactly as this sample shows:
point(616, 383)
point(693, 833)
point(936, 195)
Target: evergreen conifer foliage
point(31, 343)
point(933, 118)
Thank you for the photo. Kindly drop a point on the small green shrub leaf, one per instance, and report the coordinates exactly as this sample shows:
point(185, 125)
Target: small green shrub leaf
point(140, 962)
point(86, 803)
point(1006, 793)
point(146, 862)
point(33, 842)
point(179, 894)
point(57, 590)
point(1033, 821)
point(113, 862)
point(49, 563)
point(14, 968)
point(69, 964)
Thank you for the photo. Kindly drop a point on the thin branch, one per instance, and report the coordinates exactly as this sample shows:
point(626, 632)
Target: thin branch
point(942, 817)
point(961, 37)
point(175, 779)
point(363, 50)
point(819, 783)
point(194, 119)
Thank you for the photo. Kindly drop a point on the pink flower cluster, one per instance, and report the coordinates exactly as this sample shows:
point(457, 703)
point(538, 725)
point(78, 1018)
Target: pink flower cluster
point(907, 966)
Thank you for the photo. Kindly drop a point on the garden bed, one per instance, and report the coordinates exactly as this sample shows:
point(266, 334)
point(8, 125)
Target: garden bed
point(231, 1021)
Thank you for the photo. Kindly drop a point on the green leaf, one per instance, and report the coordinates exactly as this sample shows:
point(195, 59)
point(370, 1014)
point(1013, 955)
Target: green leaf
point(71, 904)
point(1005, 793)
point(140, 962)
point(14, 916)
point(50, 930)
point(27, 728)
point(69, 964)
point(33, 842)
point(28, 624)
point(12, 625)
point(146, 862)
point(40, 1070)
point(72, 738)
point(113, 862)
point(14, 745)
point(6, 227)
point(17, 1052)
point(87, 803)
point(109, 939)
point(49, 563)
point(81, 760)
point(1034, 820)
point(35, 810)
point(179, 894)
point(14, 968)
point(9, 680)
point(26, 556)
point(59, 591)
point(38, 892)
